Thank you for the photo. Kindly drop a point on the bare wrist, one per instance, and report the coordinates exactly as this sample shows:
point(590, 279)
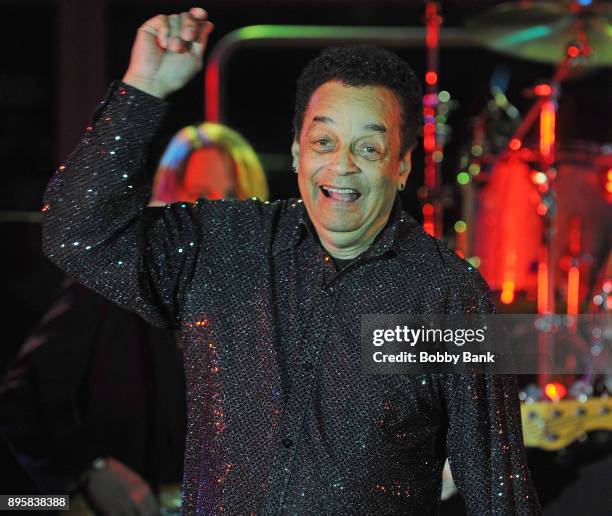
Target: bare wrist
point(149, 86)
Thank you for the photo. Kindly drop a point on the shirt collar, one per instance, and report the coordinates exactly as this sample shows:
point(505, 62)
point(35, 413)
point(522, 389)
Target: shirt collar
point(300, 226)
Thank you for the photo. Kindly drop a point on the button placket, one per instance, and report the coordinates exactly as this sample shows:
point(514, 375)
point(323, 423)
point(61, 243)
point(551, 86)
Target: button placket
point(297, 406)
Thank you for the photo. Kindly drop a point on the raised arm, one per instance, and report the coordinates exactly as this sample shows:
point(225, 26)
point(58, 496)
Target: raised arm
point(96, 225)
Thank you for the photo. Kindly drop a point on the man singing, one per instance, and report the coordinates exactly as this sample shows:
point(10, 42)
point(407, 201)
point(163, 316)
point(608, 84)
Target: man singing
point(268, 298)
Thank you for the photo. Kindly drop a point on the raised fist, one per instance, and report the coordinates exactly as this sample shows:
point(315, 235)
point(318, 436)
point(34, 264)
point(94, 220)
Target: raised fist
point(168, 52)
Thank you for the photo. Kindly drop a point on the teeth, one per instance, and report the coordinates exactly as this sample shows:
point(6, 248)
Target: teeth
point(340, 190)
point(340, 194)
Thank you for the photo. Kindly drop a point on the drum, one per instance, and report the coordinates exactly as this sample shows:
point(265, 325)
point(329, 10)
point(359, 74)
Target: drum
point(505, 230)
point(583, 180)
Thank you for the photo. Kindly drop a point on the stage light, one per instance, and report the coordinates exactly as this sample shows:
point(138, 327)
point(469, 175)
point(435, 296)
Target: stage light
point(476, 150)
point(515, 144)
point(547, 128)
point(542, 287)
point(507, 294)
point(573, 289)
point(543, 90)
point(463, 178)
point(474, 261)
point(542, 209)
point(444, 96)
point(555, 391)
point(609, 181)
point(460, 226)
point(428, 220)
point(539, 178)
point(474, 169)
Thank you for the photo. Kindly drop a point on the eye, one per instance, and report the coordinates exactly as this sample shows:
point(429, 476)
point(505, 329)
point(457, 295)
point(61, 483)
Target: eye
point(323, 144)
point(369, 151)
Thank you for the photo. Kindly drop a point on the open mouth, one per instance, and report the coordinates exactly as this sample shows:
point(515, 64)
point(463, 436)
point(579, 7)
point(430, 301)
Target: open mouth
point(340, 194)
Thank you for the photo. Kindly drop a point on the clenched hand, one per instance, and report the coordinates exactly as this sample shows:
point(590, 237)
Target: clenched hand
point(168, 52)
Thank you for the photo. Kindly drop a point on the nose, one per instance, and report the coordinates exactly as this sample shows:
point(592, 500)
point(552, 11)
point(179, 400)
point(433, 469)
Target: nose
point(343, 161)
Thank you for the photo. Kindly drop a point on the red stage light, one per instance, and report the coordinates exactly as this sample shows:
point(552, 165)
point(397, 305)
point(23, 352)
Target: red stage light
point(431, 78)
point(212, 92)
point(507, 294)
point(543, 90)
point(515, 144)
point(542, 287)
point(573, 290)
point(555, 391)
point(547, 128)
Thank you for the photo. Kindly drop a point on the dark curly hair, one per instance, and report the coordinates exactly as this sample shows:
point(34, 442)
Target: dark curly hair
point(364, 65)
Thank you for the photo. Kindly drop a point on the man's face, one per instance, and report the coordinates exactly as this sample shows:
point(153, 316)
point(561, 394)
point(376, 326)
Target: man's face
point(348, 158)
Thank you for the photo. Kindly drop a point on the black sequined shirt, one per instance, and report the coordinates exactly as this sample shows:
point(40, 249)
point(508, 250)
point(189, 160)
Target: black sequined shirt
point(281, 420)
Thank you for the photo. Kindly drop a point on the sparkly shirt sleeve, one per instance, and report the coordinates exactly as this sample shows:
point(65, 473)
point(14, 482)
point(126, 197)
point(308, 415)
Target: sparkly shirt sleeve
point(485, 439)
point(97, 227)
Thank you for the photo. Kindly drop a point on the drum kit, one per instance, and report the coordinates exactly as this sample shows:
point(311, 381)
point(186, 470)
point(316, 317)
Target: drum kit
point(537, 212)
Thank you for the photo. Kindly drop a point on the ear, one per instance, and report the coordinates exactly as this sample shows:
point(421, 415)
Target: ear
point(406, 165)
point(295, 152)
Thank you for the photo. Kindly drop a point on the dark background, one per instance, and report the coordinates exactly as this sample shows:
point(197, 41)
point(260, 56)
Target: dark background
point(59, 57)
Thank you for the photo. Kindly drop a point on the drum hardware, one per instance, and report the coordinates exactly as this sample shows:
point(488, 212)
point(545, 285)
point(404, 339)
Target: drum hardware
point(541, 31)
point(430, 192)
point(575, 36)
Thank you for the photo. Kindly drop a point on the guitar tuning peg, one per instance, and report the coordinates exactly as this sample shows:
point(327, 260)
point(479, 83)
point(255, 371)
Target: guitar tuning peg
point(581, 391)
point(531, 394)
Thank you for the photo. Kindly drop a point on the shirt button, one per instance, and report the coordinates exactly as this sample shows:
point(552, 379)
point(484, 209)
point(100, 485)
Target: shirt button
point(307, 366)
point(287, 443)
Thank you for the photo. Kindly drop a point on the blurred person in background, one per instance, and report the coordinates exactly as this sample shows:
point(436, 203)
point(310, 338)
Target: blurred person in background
point(232, 168)
point(94, 403)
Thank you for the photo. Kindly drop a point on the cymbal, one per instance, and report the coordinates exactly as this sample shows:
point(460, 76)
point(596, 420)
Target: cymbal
point(542, 30)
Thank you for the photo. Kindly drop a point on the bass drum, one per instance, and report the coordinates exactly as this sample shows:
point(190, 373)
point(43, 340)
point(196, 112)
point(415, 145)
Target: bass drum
point(504, 227)
point(505, 231)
